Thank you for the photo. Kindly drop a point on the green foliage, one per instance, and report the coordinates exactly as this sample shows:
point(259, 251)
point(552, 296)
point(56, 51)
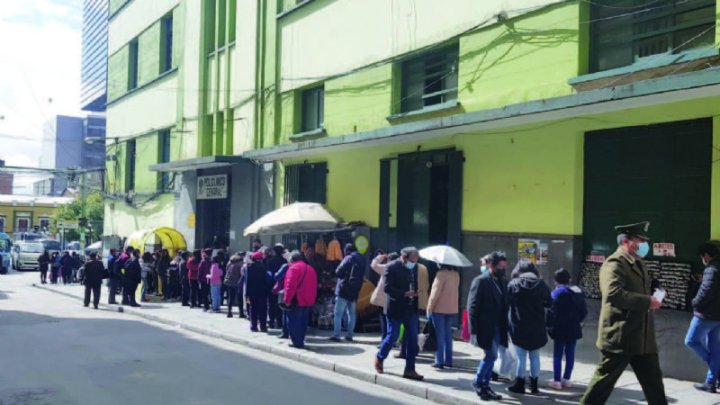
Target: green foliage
point(94, 211)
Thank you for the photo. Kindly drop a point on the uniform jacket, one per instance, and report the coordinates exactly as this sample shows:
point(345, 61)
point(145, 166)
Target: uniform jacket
point(706, 303)
point(487, 310)
point(94, 270)
point(626, 326)
point(528, 296)
point(300, 282)
point(132, 271)
point(350, 276)
point(568, 311)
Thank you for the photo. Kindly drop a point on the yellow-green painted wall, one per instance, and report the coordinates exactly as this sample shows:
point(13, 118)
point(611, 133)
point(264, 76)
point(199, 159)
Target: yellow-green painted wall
point(122, 219)
point(149, 54)
point(9, 212)
point(146, 154)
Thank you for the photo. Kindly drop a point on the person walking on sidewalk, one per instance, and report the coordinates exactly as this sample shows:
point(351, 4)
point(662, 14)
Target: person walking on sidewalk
point(193, 265)
point(94, 271)
point(44, 264)
point(488, 320)
point(203, 272)
point(564, 323)
point(378, 297)
point(626, 328)
point(258, 286)
point(528, 296)
point(350, 276)
point(215, 281)
point(442, 310)
point(401, 308)
point(300, 294)
point(184, 280)
point(703, 336)
point(232, 280)
point(132, 279)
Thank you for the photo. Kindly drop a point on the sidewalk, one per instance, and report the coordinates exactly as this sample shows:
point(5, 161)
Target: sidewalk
point(356, 360)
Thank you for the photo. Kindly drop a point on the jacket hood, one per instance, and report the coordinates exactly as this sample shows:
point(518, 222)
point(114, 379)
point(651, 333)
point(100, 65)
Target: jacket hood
point(526, 281)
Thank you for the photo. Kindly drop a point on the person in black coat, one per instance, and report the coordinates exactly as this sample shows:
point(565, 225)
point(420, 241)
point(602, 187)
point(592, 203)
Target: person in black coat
point(703, 336)
point(401, 308)
point(488, 321)
point(257, 289)
point(528, 296)
point(273, 263)
point(94, 271)
point(350, 276)
point(133, 276)
point(564, 324)
point(44, 264)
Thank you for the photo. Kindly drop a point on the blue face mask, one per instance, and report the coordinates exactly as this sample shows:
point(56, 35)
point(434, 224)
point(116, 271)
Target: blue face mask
point(409, 265)
point(643, 249)
point(483, 269)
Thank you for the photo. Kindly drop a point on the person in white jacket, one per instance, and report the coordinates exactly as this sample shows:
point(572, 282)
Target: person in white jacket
point(378, 297)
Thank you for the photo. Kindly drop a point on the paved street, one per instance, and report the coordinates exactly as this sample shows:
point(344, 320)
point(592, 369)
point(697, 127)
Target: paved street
point(55, 351)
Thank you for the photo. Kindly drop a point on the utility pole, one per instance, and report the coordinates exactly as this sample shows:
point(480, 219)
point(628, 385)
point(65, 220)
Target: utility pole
point(83, 216)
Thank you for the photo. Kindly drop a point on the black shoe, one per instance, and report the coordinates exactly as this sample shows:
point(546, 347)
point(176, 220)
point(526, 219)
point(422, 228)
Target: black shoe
point(534, 386)
point(487, 394)
point(86, 305)
point(495, 377)
point(349, 339)
point(229, 315)
point(518, 387)
point(334, 339)
point(135, 305)
point(95, 306)
point(438, 366)
point(711, 388)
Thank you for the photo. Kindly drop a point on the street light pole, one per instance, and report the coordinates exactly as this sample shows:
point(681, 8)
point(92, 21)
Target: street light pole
point(83, 204)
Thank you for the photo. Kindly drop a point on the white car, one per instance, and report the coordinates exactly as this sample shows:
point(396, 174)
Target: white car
point(25, 255)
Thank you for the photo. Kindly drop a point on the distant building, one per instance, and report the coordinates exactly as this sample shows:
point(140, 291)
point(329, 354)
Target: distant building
point(93, 91)
point(6, 183)
point(72, 142)
point(28, 213)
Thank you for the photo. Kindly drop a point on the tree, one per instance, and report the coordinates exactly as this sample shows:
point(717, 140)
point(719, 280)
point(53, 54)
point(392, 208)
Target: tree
point(94, 212)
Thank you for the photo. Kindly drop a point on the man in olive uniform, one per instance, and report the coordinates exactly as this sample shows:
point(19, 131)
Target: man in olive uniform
point(626, 331)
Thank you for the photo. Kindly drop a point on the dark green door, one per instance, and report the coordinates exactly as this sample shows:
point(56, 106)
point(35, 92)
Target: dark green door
point(660, 173)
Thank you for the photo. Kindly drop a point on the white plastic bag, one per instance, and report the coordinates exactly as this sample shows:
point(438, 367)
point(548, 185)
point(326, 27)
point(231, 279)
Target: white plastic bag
point(506, 364)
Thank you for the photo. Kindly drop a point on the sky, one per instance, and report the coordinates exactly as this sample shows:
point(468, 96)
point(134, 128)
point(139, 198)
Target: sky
point(40, 47)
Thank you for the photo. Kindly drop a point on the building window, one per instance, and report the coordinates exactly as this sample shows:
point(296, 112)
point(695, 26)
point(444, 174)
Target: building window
point(133, 64)
point(22, 223)
point(313, 109)
point(130, 166)
point(232, 20)
point(166, 47)
point(306, 183)
point(627, 31)
point(44, 223)
point(164, 156)
point(2, 223)
point(430, 79)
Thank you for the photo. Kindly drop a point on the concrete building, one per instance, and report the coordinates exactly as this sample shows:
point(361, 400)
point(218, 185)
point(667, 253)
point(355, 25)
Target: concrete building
point(72, 142)
point(530, 126)
point(93, 92)
point(6, 183)
point(26, 213)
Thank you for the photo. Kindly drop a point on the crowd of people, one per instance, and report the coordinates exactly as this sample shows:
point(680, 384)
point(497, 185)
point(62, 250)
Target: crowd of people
point(63, 267)
point(511, 317)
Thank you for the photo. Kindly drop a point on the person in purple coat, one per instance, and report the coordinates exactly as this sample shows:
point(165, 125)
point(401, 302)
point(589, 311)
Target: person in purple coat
point(203, 272)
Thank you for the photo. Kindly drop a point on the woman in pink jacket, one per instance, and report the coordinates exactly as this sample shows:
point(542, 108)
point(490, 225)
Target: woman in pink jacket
point(300, 294)
point(215, 281)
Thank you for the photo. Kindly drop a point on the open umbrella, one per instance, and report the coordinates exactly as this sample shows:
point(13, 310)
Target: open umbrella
point(295, 218)
point(446, 255)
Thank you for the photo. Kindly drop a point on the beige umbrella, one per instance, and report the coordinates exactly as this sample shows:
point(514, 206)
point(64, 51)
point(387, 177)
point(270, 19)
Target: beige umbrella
point(446, 255)
point(298, 217)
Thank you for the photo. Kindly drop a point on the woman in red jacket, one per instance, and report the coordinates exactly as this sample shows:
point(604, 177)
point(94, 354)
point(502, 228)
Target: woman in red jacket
point(193, 264)
point(300, 294)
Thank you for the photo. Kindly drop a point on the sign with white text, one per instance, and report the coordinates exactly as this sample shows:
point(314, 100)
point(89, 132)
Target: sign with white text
point(212, 187)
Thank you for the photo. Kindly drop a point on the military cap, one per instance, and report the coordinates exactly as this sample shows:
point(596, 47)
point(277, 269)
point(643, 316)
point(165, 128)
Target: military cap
point(638, 230)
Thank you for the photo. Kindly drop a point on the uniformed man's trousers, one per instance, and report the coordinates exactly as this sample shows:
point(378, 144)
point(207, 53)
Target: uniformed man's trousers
point(646, 368)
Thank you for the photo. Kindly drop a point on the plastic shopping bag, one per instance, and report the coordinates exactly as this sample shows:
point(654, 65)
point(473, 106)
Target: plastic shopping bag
point(507, 364)
point(465, 332)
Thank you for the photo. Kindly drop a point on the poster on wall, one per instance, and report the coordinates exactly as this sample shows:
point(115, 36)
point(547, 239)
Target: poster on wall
point(664, 249)
point(529, 249)
point(212, 187)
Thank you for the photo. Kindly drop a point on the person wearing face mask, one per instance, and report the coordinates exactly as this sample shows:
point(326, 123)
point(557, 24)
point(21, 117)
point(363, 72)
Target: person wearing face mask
point(488, 320)
point(703, 336)
point(626, 329)
point(401, 308)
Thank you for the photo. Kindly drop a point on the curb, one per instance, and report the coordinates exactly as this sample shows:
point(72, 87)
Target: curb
point(421, 390)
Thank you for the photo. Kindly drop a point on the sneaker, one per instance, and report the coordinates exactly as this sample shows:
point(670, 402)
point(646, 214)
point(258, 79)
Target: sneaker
point(556, 385)
point(566, 383)
point(711, 388)
point(349, 339)
point(334, 339)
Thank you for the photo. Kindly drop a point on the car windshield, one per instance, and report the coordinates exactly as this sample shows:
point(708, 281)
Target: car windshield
point(51, 245)
point(32, 248)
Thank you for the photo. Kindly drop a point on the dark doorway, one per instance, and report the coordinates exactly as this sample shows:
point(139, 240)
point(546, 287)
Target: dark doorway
point(429, 195)
point(212, 219)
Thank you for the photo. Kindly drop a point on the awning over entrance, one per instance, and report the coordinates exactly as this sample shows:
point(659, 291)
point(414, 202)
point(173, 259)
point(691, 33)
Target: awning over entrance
point(158, 238)
point(205, 162)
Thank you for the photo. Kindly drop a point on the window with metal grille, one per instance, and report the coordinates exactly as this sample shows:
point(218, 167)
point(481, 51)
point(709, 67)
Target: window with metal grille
point(306, 183)
point(429, 79)
point(166, 46)
point(164, 156)
point(625, 31)
point(130, 166)
point(133, 64)
point(313, 109)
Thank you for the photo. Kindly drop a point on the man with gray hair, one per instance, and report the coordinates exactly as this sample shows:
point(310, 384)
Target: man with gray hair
point(626, 329)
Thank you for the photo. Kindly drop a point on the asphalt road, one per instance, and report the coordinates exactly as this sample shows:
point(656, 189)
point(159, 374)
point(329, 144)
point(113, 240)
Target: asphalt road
point(54, 351)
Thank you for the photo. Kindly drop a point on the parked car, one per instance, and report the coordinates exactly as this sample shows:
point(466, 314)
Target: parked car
point(51, 245)
point(96, 247)
point(25, 255)
point(5, 255)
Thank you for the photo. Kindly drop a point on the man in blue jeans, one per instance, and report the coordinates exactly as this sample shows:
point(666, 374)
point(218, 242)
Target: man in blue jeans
point(350, 276)
point(704, 333)
point(488, 320)
point(401, 308)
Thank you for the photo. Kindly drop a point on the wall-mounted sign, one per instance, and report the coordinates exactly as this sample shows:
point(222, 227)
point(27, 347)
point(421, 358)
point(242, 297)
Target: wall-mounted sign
point(212, 187)
point(664, 249)
point(595, 258)
point(362, 244)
